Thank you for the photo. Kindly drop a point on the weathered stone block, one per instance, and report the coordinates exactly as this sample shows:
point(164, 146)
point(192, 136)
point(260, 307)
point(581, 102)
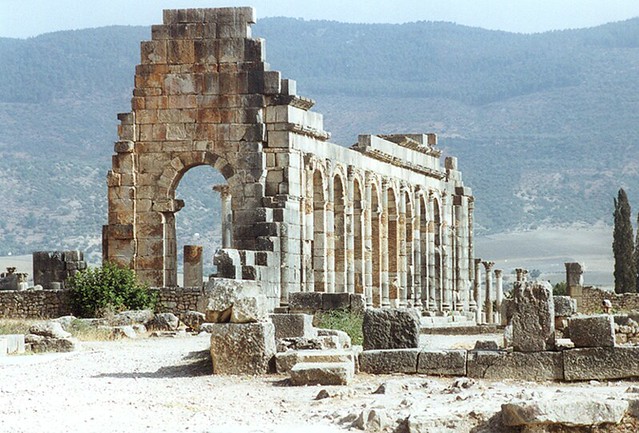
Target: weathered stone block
point(442, 362)
point(390, 328)
point(565, 306)
point(325, 373)
point(15, 343)
point(226, 295)
point(533, 318)
point(592, 331)
point(343, 339)
point(515, 365)
point(49, 329)
point(601, 363)
point(285, 361)
point(246, 348)
point(336, 301)
point(305, 301)
point(293, 325)
point(568, 412)
point(389, 361)
point(41, 344)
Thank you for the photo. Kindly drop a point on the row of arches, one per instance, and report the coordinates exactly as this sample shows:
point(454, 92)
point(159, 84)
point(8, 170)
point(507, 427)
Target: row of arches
point(380, 237)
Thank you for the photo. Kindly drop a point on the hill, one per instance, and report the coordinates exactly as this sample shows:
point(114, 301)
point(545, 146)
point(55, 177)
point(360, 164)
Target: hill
point(544, 125)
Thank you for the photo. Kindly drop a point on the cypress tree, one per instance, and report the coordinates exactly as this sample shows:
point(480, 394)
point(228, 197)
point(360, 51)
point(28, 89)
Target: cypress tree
point(623, 246)
point(636, 256)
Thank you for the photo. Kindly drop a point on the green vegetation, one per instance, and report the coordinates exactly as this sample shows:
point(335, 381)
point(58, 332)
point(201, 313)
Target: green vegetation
point(99, 291)
point(623, 246)
point(15, 326)
point(346, 321)
point(560, 289)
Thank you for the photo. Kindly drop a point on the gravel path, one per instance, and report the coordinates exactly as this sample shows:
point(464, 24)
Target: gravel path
point(165, 385)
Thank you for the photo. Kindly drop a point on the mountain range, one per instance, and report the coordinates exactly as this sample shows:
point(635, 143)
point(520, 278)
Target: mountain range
point(545, 126)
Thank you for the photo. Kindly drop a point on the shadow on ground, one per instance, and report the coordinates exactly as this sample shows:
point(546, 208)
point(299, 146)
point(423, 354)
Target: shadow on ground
point(194, 364)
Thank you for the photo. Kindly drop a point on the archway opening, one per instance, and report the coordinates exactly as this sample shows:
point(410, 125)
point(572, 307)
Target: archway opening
point(205, 220)
point(438, 283)
point(376, 238)
point(425, 252)
point(393, 245)
point(408, 251)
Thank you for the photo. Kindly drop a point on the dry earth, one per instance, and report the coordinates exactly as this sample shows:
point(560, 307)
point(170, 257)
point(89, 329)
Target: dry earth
point(165, 385)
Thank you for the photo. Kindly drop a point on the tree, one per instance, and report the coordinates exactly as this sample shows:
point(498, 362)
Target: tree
point(636, 256)
point(623, 246)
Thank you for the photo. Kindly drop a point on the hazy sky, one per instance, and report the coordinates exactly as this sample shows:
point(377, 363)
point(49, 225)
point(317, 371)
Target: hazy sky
point(24, 18)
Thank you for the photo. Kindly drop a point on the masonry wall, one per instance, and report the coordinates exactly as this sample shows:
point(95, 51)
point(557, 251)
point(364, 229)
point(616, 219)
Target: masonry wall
point(50, 304)
point(34, 304)
point(593, 297)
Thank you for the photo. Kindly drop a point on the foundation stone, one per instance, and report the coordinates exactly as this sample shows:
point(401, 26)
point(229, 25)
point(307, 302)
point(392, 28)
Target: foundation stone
point(601, 363)
point(592, 331)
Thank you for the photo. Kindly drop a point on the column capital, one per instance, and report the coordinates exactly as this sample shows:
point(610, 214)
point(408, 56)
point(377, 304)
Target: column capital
point(488, 265)
point(498, 273)
point(222, 188)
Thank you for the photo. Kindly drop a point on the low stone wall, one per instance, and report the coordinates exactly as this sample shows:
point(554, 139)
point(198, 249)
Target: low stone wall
point(49, 304)
point(593, 297)
point(179, 301)
point(34, 304)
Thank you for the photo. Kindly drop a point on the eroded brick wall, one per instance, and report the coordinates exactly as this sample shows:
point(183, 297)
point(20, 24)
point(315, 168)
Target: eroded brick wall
point(593, 297)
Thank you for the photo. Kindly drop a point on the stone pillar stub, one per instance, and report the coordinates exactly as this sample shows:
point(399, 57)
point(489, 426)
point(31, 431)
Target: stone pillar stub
point(575, 281)
point(193, 266)
point(489, 291)
point(533, 317)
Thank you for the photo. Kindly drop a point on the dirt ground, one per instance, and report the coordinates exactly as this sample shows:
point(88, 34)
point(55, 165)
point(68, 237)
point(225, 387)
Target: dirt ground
point(165, 385)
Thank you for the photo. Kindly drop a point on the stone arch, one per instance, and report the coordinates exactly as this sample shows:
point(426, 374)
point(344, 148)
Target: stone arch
point(425, 248)
point(437, 277)
point(407, 248)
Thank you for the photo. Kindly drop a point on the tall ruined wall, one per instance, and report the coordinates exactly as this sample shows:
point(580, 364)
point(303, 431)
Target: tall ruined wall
point(384, 218)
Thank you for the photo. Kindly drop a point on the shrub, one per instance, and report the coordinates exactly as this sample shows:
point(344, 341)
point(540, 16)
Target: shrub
point(560, 289)
point(110, 288)
point(346, 321)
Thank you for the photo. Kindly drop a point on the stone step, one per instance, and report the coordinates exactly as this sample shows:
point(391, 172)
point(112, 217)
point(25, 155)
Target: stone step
point(322, 373)
point(285, 361)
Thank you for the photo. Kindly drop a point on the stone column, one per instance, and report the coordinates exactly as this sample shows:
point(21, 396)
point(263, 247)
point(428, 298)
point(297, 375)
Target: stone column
point(520, 274)
point(447, 254)
point(402, 261)
point(499, 292)
point(227, 215)
point(385, 253)
point(489, 291)
point(330, 237)
point(368, 242)
point(575, 281)
point(350, 234)
point(432, 278)
point(479, 297)
point(193, 266)
point(417, 255)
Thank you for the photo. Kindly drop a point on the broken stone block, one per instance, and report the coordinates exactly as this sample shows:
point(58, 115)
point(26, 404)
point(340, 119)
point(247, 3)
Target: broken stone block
point(223, 295)
point(293, 326)
point(285, 361)
point(565, 306)
point(42, 344)
point(242, 348)
point(389, 361)
point(601, 363)
point(193, 320)
point(592, 331)
point(358, 303)
point(164, 322)
point(336, 301)
point(15, 343)
point(373, 420)
point(4, 346)
point(515, 365)
point(49, 329)
point(391, 328)
point(343, 340)
point(567, 412)
point(442, 362)
point(132, 317)
point(533, 317)
point(324, 373)
point(125, 331)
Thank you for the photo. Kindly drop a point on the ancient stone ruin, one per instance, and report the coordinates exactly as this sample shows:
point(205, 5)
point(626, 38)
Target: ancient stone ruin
point(383, 218)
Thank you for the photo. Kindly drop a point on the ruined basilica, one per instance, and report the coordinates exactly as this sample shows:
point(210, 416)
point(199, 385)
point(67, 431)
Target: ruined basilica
point(385, 217)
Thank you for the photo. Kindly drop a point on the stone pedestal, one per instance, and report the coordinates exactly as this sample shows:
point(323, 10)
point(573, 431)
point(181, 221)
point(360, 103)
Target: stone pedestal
point(575, 281)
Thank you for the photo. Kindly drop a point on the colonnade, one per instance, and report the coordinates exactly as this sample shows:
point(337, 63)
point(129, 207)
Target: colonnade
point(398, 244)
